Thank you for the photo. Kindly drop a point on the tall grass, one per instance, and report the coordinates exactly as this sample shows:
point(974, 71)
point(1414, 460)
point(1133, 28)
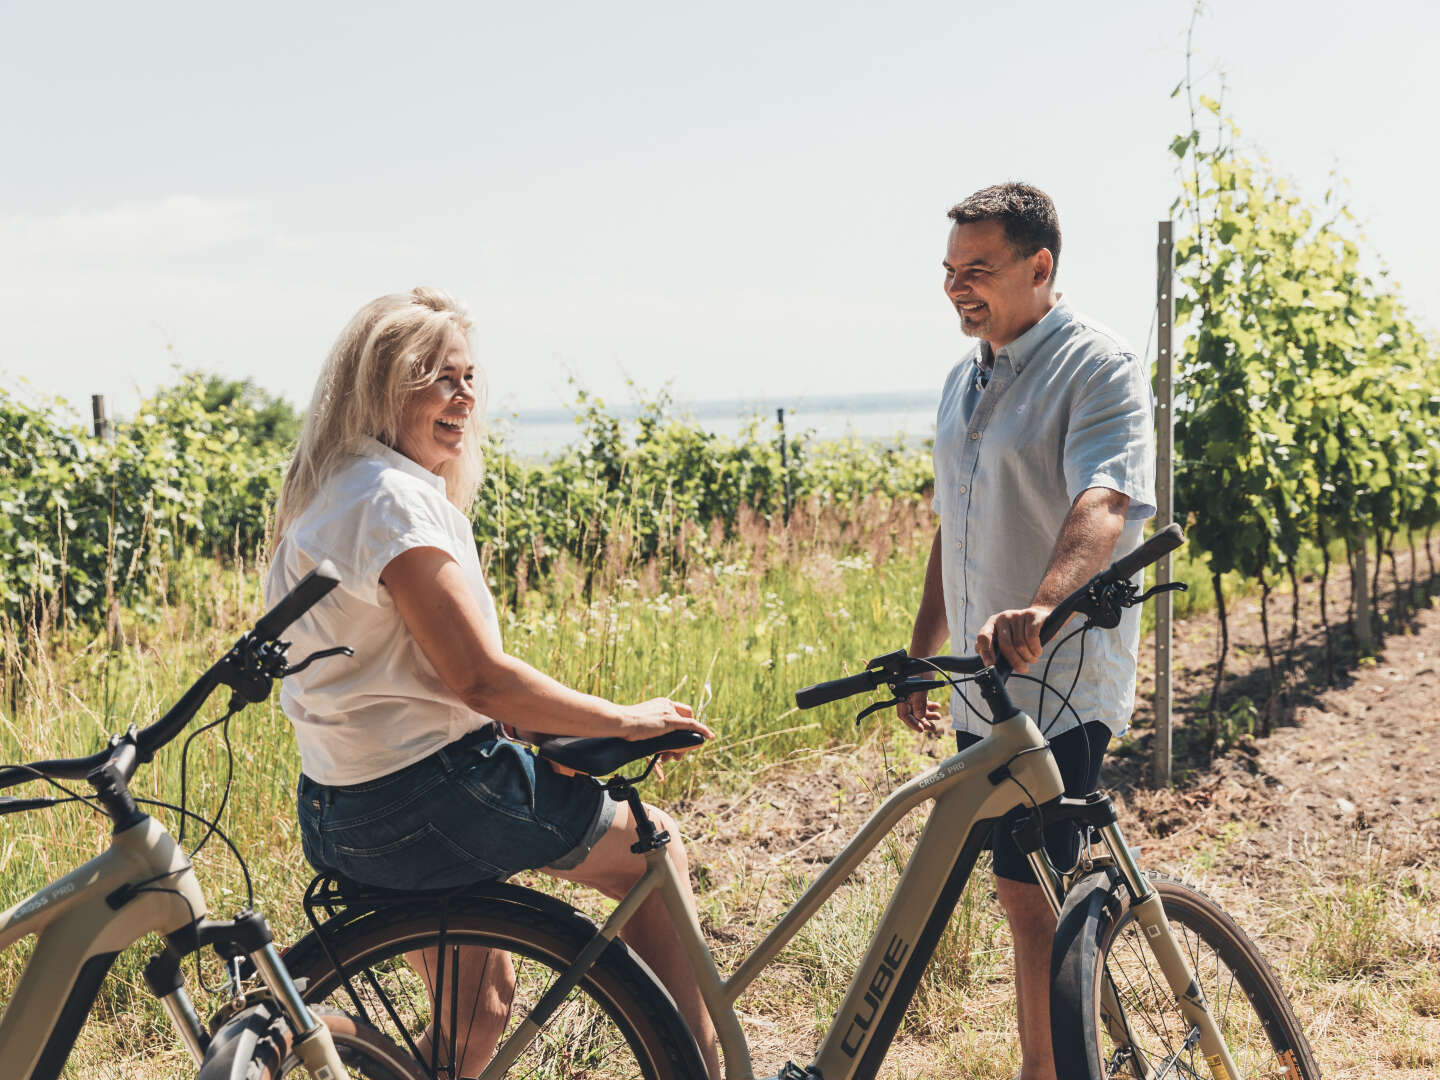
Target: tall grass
point(776, 609)
point(735, 632)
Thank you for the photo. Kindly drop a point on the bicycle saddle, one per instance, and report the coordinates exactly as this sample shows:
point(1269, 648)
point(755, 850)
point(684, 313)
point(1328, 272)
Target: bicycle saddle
point(601, 757)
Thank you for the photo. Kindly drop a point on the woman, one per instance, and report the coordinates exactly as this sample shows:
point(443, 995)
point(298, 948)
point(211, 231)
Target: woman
point(407, 779)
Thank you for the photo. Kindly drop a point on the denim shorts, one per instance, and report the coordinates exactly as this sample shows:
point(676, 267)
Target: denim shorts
point(479, 809)
point(1078, 752)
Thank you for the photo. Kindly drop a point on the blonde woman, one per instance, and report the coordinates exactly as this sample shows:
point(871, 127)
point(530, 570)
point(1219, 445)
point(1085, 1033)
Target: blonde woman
point(407, 780)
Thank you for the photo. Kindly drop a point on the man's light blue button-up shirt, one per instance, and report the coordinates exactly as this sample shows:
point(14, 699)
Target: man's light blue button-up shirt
point(1066, 407)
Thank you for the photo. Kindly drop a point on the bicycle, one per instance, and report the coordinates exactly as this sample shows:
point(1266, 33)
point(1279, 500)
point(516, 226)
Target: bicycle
point(584, 1005)
point(144, 883)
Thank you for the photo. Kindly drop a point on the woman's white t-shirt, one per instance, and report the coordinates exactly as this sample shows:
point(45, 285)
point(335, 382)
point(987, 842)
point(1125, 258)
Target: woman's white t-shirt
point(362, 717)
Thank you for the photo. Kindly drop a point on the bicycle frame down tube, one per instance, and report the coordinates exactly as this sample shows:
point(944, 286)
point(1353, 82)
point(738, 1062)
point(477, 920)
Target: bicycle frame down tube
point(75, 927)
point(965, 796)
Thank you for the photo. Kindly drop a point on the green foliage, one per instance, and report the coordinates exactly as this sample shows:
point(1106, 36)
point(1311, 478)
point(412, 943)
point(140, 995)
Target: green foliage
point(260, 417)
point(83, 521)
point(668, 490)
point(1309, 396)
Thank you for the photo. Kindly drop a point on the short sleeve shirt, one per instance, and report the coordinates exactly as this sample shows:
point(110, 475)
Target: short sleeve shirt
point(364, 717)
point(1065, 407)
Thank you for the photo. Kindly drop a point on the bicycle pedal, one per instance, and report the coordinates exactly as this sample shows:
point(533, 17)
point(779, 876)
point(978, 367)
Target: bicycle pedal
point(791, 1071)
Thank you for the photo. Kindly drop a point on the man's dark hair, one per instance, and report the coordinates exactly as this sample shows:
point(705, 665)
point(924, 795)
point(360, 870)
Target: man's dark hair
point(1026, 213)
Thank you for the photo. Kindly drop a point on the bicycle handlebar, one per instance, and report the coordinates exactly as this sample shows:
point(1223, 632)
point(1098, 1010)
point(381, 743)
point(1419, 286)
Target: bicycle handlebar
point(836, 689)
point(1162, 542)
point(224, 672)
point(312, 588)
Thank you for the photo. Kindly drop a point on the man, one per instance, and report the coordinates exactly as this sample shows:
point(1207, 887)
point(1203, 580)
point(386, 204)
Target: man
point(1044, 471)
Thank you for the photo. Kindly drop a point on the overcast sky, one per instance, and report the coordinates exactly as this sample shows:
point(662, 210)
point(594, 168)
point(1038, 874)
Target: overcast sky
point(744, 199)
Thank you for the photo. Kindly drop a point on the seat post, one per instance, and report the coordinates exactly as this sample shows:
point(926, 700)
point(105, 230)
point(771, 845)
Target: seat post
point(649, 837)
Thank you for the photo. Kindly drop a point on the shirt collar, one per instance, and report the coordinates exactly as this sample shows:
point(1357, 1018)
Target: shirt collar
point(1023, 349)
point(371, 447)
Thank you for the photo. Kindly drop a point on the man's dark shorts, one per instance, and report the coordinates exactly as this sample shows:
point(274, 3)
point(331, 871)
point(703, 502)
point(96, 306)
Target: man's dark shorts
point(1078, 752)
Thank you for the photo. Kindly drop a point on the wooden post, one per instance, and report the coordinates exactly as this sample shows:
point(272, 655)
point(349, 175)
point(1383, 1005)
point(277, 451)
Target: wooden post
point(1164, 495)
point(784, 463)
point(101, 418)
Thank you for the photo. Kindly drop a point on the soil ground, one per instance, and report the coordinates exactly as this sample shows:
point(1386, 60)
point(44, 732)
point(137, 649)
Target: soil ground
point(1322, 839)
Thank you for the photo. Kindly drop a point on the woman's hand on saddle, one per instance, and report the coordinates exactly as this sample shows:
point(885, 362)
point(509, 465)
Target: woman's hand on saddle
point(656, 717)
point(659, 715)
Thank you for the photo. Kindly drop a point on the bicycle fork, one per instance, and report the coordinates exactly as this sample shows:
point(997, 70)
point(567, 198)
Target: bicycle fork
point(1149, 912)
point(248, 936)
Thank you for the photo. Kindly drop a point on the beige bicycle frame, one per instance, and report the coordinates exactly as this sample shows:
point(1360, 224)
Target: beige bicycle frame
point(965, 795)
point(75, 924)
point(77, 930)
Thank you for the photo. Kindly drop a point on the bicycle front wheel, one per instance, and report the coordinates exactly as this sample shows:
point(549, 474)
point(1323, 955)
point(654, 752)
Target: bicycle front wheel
point(1101, 956)
point(617, 1021)
point(258, 1045)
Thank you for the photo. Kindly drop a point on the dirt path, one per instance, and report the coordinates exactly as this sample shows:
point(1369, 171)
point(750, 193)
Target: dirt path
point(1323, 839)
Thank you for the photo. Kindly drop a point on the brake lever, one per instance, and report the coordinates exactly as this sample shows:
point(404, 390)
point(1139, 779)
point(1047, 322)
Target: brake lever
point(876, 707)
point(338, 650)
point(903, 689)
point(1169, 586)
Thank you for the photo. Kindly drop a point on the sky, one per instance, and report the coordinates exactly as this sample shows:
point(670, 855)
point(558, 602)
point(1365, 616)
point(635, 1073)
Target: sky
point(740, 200)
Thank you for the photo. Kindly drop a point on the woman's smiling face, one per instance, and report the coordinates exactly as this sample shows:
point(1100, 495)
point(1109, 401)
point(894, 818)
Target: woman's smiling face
point(439, 414)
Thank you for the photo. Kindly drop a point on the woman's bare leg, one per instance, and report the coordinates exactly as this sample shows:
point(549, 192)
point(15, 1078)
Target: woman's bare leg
point(481, 995)
point(612, 868)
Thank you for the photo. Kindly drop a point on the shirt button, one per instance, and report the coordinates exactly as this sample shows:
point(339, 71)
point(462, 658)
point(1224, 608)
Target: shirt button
point(959, 544)
point(974, 435)
point(963, 489)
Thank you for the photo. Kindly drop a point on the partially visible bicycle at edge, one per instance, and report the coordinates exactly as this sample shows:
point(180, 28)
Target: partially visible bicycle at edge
point(143, 882)
point(1151, 978)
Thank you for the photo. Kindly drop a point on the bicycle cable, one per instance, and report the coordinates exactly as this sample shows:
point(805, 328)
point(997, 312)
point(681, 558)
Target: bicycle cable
point(1044, 684)
point(88, 800)
point(229, 780)
point(185, 761)
point(225, 839)
point(1045, 675)
point(1080, 666)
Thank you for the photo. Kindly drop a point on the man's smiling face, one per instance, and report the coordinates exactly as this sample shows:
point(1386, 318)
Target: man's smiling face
point(998, 292)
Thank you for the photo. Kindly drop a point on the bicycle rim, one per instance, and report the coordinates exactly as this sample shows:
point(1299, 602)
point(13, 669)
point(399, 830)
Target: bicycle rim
point(1253, 1013)
point(617, 1022)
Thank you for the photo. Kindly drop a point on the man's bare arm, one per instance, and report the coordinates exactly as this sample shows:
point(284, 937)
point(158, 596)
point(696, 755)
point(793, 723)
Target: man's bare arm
point(1084, 547)
point(926, 639)
point(930, 632)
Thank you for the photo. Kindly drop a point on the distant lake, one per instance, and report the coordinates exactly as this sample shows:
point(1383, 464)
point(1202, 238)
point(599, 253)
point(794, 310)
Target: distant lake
point(539, 433)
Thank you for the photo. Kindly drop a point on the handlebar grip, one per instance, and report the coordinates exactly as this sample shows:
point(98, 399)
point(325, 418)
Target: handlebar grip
point(312, 587)
point(836, 689)
point(1166, 540)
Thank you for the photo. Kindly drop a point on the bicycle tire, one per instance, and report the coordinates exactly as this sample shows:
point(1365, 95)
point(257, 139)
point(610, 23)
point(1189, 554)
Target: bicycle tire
point(617, 1022)
point(257, 1044)
point(1097, 932)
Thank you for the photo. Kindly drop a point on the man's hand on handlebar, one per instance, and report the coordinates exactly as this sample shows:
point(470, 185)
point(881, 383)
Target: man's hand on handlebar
point(1013, 634)
point(919, 713)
